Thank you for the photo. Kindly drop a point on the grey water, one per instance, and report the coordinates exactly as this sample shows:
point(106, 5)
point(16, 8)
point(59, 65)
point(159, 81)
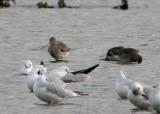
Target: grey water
point(90, 31)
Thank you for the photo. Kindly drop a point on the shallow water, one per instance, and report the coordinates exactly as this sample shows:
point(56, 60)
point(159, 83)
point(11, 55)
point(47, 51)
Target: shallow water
point(90, 31)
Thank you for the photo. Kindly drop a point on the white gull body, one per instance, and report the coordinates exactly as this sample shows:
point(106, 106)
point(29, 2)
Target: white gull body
point(34, 74)
point(51, 92)
point(155, 99)
point(138, 95)
point(122, 85)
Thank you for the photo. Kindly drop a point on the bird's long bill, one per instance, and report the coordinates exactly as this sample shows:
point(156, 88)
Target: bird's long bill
point(44, 46)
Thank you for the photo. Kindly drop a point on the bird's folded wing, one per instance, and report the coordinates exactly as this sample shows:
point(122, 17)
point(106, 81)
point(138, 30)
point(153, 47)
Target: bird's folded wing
point(75, 78)
point(60, 91)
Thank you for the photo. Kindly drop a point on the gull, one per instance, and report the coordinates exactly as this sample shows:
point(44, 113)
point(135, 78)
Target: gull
point(51, 92)
point(26, 68)
point(154, 98)
point(34, 74)
point(67, 76)
point(80, 75)
point(124, 55)
point(138, 95)
point(122, 85)
point(58, 50)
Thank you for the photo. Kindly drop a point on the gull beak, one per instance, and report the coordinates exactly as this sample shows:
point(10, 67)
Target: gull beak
point(144, 95)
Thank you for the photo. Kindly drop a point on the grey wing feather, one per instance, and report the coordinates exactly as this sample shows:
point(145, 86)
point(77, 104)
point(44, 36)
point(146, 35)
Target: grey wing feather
point(60, 91)
point(147, 89)
point(75, 78)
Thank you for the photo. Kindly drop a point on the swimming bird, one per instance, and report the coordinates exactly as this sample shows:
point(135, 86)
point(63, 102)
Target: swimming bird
point(51, 92)
point(34, 74)
point(26, 68)
point(114, 53)
point(124, 55)
point(58, 50)
point(138, 96)
point(154, 98)
point(123, 6)
point(123, 85)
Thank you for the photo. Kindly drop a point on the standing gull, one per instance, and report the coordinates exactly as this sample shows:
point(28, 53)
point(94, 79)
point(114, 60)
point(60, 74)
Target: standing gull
point(51, 92)
point(58, 50)
point(123, 85)
point(34, 74)
point(154, 98)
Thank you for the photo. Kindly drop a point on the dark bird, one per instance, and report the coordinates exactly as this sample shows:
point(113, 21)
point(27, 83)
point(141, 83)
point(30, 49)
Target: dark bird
point(124, 55)
point(123, 6)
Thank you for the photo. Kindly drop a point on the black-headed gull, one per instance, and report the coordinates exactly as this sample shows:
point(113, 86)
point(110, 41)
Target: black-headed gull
point(26, 68)
point(57, 49)
point(123, 85)
point(51, 92)
point(154, 98)
point(34, 74)
point(67, 76)
point(138, 95)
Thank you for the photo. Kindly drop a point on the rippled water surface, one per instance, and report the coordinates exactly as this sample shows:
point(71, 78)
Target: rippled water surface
point(90, 31)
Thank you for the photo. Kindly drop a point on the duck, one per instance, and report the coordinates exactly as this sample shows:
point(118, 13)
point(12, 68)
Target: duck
point(124, 55)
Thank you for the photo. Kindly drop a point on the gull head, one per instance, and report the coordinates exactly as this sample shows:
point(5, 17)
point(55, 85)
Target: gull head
point(137, 89)
point(41, 68)
point(28, 64)
point(65, 69)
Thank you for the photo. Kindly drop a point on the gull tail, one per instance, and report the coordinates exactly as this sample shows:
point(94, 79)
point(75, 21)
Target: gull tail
point(85, 71)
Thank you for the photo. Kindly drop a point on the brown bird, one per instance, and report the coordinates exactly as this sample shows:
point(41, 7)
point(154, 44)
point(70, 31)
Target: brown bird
point(58, 50)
